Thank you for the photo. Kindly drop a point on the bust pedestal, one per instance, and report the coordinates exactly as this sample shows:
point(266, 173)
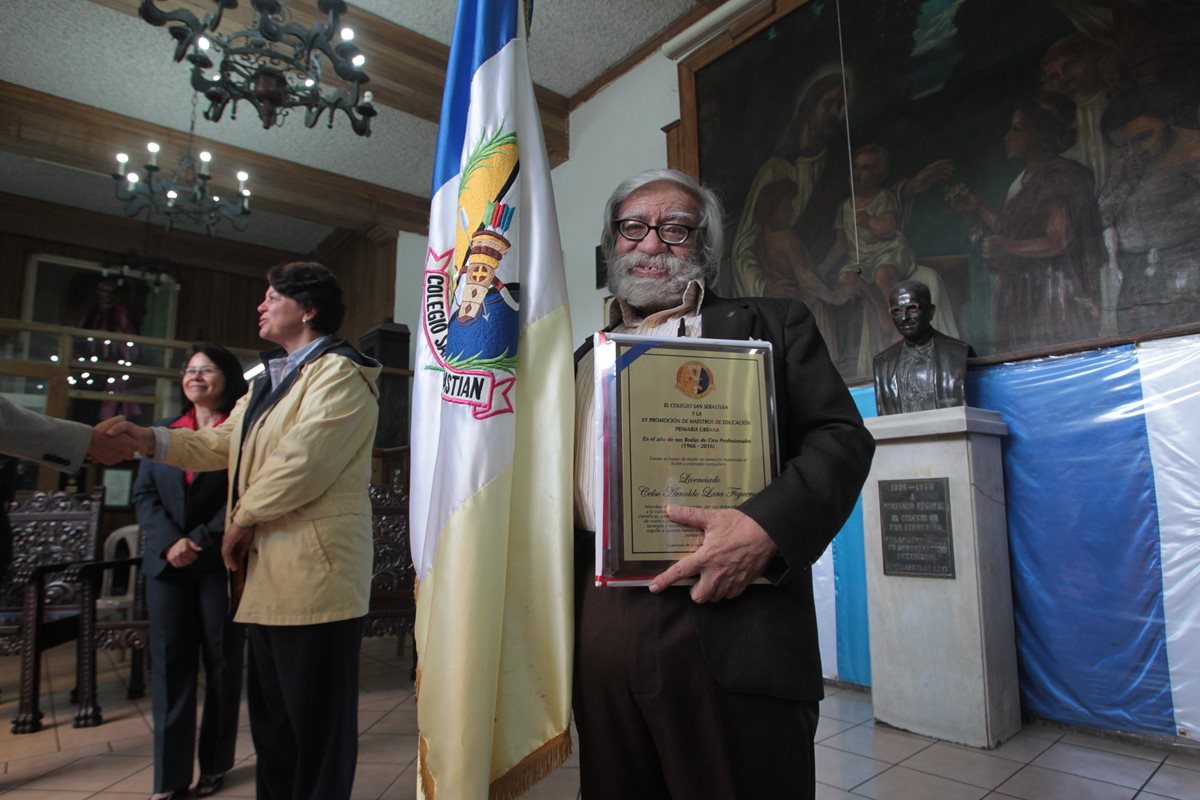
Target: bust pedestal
point(943, 652)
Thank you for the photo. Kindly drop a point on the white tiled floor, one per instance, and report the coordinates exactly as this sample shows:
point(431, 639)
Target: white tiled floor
point(855, 757)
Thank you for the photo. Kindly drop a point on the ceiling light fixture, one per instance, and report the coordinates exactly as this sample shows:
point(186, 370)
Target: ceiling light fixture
point(275, 65)
point(728, 17)
point(185, 194)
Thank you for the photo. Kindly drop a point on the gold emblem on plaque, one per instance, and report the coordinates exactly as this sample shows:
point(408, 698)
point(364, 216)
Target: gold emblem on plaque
point(694, 379)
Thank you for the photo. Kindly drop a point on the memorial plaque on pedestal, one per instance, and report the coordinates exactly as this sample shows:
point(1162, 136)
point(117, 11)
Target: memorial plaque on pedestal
point(914, 517)
point(943, 652)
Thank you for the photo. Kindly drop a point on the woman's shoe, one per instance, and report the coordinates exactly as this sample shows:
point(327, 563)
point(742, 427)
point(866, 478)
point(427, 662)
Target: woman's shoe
point(209, 785)
point(173, 795)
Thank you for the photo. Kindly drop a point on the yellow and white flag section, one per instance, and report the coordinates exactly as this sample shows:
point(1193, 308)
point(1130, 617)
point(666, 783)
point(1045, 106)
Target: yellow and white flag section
point(492, 434)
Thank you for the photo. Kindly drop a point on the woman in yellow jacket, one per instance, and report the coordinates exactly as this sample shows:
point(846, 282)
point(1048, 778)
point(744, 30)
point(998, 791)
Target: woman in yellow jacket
point(298, 451)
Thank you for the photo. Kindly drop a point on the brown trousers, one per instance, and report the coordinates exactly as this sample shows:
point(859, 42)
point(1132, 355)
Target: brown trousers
point(653, 723)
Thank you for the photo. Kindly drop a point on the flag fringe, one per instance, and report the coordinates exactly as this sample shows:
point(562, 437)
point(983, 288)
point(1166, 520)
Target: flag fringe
point(428, 790)
point(416, 650)
point(517, 781)
point(532, 769)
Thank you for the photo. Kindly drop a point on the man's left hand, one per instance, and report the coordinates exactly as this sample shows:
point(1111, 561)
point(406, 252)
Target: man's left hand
point(734, 553)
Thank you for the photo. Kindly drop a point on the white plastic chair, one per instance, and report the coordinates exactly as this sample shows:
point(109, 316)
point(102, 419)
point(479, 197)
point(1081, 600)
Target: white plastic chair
point(122, 604)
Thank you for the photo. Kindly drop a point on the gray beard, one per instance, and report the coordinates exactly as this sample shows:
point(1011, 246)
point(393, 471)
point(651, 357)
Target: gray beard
point(649, 294)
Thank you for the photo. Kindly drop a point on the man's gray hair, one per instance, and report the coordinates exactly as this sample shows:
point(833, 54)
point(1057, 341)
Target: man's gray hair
point(710, 227)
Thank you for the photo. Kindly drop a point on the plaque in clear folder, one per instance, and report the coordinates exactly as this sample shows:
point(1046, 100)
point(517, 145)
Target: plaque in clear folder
point(682, 421)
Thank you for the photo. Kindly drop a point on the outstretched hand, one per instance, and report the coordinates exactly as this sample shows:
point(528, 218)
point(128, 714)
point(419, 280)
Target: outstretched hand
point(734, 553)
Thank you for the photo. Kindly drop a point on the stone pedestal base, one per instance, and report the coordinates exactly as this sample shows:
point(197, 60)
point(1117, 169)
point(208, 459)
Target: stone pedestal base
point(943, 653)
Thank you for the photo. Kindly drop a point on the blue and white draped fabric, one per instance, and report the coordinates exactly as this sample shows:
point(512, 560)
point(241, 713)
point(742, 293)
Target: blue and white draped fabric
point(1102, 472)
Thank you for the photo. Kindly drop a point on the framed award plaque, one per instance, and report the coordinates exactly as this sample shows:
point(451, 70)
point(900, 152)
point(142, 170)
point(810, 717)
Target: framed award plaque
point(682, 421)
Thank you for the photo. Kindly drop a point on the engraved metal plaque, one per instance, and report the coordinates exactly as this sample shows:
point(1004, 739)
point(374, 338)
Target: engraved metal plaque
point(689, 421)
point(915, 517)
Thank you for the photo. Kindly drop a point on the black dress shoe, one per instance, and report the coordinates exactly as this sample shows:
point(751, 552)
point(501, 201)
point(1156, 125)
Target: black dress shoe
point(209, 785)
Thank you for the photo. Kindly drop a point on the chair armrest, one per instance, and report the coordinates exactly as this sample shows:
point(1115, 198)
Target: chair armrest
point(36, 572)
point(89, 567)
point(74, 570)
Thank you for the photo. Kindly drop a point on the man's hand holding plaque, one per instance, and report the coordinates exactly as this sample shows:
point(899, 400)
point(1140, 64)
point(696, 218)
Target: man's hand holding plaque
point(734, 554)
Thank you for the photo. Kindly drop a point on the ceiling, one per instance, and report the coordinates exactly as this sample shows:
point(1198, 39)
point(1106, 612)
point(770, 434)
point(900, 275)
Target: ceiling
point(103, 80)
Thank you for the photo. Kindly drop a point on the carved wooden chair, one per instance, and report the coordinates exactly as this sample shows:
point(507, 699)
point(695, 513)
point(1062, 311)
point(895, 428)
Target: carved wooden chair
point(393, 607)
point(42, 593)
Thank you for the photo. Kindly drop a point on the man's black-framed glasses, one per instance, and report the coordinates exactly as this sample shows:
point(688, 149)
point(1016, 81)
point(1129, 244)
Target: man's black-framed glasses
point(668, 233)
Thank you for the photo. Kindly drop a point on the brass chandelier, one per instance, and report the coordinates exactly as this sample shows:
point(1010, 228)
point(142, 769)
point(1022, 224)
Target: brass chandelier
point(276, 65)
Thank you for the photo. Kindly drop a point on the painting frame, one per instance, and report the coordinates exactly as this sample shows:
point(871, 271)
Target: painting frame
point(56, 289)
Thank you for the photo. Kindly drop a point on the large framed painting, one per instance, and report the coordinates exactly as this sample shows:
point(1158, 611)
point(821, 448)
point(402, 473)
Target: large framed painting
point(1036, 165)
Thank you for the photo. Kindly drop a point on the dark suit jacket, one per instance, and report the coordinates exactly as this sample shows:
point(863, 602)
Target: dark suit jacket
point(765, 641)
point(168, 509)
point(950, 363)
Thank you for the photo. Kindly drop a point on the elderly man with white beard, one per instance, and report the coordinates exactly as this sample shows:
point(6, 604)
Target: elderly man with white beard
point(711, 690)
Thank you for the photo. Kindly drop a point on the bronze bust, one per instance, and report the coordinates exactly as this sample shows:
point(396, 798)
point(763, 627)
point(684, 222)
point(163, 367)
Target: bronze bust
point(926, 369)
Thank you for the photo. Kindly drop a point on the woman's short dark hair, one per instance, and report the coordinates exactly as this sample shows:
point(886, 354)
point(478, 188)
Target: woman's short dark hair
point(235, 383)
point(1052, 120)
point(315, 288)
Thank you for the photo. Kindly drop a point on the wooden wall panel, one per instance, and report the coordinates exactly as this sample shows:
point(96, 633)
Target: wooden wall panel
point(94, 232)
point(15, 251)
point(217, 305)
point(366, 269)
point(220, 307)
point(44, 126)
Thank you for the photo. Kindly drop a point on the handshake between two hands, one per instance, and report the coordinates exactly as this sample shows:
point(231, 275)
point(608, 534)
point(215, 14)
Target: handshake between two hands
point(115, 440)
